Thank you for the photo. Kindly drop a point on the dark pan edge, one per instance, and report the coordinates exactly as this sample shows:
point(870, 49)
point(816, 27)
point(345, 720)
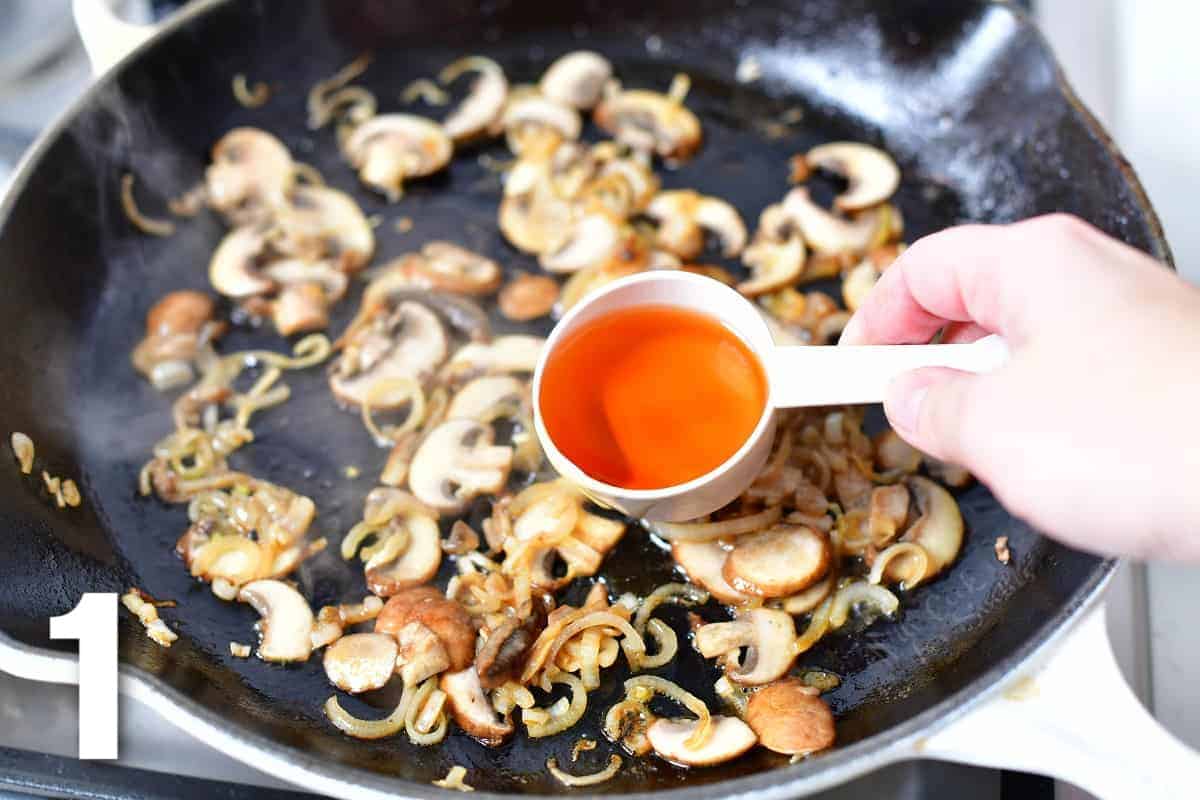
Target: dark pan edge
point(829, 770)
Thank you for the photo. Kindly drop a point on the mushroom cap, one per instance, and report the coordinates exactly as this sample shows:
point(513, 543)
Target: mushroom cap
point(471, 709)
point(233, 270)
point(650, 121)
point(728, 739)
point(183, 311)
point(704, 562)
point(451, 268)
point(778, 562)
point(593, 241)
point(414, 348)
point(532, 110)
point(457, 462)
point(390, 148)
point(321, 222)
point(527, 297)
point(417, 564)
point(287, 621)
point(871, 174)
point(483, 106)
point(576, 79)
point(482, 394)
point(421, 654)
point(790, 717)
point(447, 619)
point(251, 173)
point(361, 662)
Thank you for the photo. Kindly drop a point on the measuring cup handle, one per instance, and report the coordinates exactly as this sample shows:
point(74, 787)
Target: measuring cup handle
point(821, 376)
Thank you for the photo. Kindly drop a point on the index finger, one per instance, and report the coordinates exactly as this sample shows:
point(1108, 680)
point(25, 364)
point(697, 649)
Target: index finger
point(980, 274)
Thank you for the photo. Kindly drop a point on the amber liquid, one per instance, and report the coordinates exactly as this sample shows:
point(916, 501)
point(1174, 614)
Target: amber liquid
point(650, 397)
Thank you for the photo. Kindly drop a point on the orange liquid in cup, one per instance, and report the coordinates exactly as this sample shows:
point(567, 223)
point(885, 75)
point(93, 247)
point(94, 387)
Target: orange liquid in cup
point(652, 396)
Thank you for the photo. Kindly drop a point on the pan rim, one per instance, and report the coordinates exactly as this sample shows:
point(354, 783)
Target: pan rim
point(310, 772)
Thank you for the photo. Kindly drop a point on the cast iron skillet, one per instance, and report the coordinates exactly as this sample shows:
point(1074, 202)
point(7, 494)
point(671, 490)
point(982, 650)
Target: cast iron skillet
point(965, 95)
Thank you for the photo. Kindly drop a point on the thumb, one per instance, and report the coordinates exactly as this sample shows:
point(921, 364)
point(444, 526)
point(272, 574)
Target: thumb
point(931, 409)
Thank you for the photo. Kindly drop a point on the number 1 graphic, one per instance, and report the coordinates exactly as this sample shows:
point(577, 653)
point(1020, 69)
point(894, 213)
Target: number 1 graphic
point(94, 623)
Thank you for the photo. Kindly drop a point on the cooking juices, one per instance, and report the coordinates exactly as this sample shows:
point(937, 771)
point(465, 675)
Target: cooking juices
point(652, 396)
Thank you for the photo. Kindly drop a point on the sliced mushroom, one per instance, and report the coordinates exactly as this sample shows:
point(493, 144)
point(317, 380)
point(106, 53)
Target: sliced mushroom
point(829, 233)
point(391, 148)
point(290, 271)
point(886, 513)
point(451, 268)
point(684, 215)
point(728, 739)
point(234, 269)
point(533, 216)
point(471, 709)
point(650, 122)
point(447, 619)
point(527, 297)
point(251, 174)
point(703, 563)
point(586, 281)
point(287, 621)
point(407, 342)
point(415, 565)
point(458, 462)
point(939, 528)
point(893, 453)
point(811, 597)
point(319, 222)
point(483, 106)
point(576, 79)
point(361, 662)
point(776, 257)
point(593, 241)
point(858, 283)
point(483, 394)
point(871, 173)
point(515, 353)
point(790, 717)
point(184, 311)
point(952, 475)
point(420, 655)
point(530, 115)
point(778, 562)
point(766, 634)
point(503, 652)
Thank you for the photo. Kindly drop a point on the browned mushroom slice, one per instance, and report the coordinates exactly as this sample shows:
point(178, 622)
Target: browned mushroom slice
point(576, 79)
point(887, 511)
point(766, 636)
point(829, 233)
point(534, 216)
point(810, 598)
point(952, 475)
point(447, 619)
point(776, 257)
point(407, 342)
point(527, 297)
point(251, 174)
point(516, 353)
point(391, 148)
point(471, 709)
point(939, 528)
point(790, 718)
point(361, 662)
point(777, 562)
point(184, 311)
point(858, 283)
point(287, 621)
point(871, 174)
point(456, 463)
point(176, 327)
point(234, 268)
point(529, 116)
point(483, 106)
point(319, 222)
point(300, 307)
point(503, 652)
point(728, 739)
point(483, 395)
point(893, 453)
point(415, 565)
point(650, 122)
point(683, 217)
point(323, 274)
point(451, 268)
point(421, 654)
point(703, 563)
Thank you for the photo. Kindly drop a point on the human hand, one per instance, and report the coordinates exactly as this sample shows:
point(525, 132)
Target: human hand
point(1091, 432)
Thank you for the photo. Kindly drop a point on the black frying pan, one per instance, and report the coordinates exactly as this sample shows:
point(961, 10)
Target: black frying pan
point(964, 94)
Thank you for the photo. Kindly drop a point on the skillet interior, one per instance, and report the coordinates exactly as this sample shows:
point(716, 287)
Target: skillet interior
point(968, 100)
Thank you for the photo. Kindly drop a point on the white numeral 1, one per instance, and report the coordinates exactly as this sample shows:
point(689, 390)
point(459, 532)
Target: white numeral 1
point(94, 623)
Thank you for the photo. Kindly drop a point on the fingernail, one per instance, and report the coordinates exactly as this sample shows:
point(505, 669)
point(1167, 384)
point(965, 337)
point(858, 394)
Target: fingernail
point(851, 334)
point(905, 413)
